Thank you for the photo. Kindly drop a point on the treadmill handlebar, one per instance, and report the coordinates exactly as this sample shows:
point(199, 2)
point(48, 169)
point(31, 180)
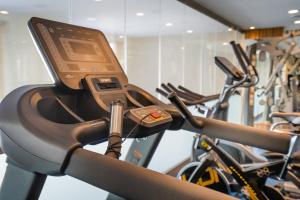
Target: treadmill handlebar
point(132, 182)
point(89, 128)
point(184, 110)
point(265, 139)
point(277, 142)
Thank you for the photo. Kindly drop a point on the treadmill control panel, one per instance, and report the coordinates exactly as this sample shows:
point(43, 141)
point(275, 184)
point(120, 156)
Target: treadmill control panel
point(150, 116)
point(81, 58)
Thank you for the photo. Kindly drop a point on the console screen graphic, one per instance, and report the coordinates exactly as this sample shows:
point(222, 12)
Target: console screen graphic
point(72, 53)
point(82, 48)
point(77, 50)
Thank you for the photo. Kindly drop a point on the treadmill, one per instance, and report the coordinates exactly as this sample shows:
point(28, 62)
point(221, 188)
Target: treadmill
point(44, 128)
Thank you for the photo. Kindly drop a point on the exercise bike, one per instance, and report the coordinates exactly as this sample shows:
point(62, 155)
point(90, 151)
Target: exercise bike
point(251, 178)
point(206, 167)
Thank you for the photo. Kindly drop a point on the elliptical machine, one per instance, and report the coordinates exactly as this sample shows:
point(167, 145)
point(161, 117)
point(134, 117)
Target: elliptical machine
point(210, 171)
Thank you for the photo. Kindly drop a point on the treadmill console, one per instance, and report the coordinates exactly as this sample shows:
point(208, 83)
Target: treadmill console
point(72, 52)
point(80, 58)
point(228, 68)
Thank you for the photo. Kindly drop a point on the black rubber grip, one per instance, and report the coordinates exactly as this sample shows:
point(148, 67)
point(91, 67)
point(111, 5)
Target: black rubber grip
point(181, 94)
point(165, 87)
point(190, 92)
point(183, 109)
point(162, 92)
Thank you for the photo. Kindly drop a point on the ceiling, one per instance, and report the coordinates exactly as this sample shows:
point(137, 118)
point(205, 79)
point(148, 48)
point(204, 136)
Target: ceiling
point(110, 15)
point(118, 16)
point(258, 13)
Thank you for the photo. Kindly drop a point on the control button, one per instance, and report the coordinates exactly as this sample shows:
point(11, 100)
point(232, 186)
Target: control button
point(155, 115)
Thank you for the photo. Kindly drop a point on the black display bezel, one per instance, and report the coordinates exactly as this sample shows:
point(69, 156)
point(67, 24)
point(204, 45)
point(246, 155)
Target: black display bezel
point(42, 46)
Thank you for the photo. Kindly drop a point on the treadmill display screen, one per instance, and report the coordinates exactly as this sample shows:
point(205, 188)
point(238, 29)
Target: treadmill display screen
point(73, 52)
point(82, 48)
point(75, 49)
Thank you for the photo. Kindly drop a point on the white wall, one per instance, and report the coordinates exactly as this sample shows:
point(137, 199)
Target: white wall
point(21, 62)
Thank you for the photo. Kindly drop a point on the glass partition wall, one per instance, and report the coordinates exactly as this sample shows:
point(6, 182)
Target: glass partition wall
point(162, 39)
point(156, 41)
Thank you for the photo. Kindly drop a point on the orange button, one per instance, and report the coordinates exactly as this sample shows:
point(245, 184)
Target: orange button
point(155, 115)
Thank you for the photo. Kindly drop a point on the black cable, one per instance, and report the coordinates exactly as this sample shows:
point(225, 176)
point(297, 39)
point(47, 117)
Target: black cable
point(135, 127)
point(114, 147)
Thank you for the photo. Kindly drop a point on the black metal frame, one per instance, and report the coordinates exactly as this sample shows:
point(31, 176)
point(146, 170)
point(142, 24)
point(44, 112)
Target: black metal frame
point(254, 177)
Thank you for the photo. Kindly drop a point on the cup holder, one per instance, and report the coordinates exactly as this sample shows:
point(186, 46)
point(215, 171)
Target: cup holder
point(55, 110)
point(140, 98)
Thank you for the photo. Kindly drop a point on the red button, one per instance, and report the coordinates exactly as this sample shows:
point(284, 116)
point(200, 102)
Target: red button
point(155, 115)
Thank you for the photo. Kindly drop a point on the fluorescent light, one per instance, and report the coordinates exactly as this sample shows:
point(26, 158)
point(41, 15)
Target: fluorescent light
point(189, 31)
point(169, 24)
point(297, 22)
point(225, 43)
point(230, 29)
point(294, 11)
point(4, 12)
point(91, 19)
point(139, 14)
point(121, 36)
point(252, 27)
point(97, 0)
